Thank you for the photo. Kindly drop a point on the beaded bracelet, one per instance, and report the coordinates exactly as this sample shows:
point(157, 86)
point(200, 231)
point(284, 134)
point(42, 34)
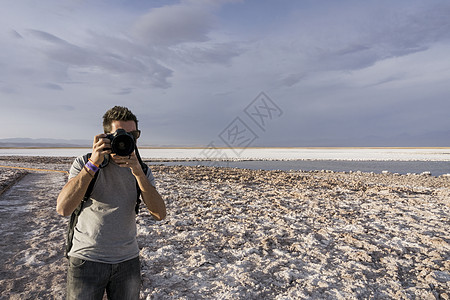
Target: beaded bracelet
point(91, 167)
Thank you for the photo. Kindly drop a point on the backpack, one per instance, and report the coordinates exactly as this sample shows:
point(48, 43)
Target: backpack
point(76, 213)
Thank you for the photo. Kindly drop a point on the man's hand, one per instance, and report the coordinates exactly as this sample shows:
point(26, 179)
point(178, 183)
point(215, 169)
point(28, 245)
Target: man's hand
point(100, 148)
point(130, 161)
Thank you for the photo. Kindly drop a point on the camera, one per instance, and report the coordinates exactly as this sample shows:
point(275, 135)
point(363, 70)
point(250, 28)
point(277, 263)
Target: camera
point(122, 142)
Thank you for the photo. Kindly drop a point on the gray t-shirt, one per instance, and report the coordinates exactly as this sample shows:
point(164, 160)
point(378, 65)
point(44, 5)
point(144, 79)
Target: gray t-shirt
point(106, 228)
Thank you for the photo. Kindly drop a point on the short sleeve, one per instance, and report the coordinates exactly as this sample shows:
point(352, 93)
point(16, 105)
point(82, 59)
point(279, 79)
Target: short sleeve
point(77, 166)
point(150, 177)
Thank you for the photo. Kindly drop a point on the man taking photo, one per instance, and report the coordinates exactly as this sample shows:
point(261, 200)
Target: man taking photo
point(104, 254)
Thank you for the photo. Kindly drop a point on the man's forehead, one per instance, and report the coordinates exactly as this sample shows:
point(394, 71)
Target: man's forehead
point(126, 125)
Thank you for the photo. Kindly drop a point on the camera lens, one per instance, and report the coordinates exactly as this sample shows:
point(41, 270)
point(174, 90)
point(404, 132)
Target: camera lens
point(123, 145)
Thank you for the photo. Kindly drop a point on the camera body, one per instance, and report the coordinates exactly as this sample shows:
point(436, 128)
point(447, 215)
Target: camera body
point(122, 142)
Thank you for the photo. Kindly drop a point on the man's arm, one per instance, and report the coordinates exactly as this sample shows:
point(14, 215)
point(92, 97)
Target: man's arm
point(150, 195)
point(73, 192)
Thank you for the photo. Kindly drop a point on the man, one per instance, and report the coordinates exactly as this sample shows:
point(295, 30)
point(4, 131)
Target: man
point(105, 254)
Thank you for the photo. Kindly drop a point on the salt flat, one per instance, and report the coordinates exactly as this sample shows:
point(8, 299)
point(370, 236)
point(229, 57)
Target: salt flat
point(251, 234)
point(274, 153)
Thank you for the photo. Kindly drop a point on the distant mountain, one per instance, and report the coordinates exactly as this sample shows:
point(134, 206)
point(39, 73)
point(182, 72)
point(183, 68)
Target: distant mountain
point(431, 139)
point(64, 143)
point(44, 142)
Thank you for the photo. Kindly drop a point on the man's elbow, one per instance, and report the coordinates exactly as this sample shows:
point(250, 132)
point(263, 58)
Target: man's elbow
point(63, 212)
point(159, 216)
point(62, 209)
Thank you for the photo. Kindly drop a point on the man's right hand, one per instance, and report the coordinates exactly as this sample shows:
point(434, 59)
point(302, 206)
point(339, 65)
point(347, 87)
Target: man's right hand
point(100, 148)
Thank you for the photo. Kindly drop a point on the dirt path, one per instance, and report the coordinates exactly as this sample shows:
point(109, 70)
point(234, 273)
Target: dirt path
point(31, 239)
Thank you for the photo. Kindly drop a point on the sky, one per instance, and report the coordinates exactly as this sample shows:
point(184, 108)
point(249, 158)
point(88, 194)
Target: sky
point(228, 72)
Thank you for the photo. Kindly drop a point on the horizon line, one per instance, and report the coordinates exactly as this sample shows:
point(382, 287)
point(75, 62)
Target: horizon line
point(256, 147)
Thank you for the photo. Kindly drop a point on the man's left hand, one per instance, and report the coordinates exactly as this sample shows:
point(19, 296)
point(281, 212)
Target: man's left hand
point(130, 161)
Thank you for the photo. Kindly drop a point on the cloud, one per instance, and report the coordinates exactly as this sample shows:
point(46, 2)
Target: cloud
point(211, 53)
point(184, 33)
point(8, 89)
point(174, 24)
point(343, 40)
point(124, 91)
point(15, 34)
point(58, 107)
point(100, 59)
point(144, 54)
point(52, 86)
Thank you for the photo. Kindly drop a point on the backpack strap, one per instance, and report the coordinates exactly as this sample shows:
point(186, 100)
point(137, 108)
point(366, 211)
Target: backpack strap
point(138, 189)
point(74, 217)
point(145, 169)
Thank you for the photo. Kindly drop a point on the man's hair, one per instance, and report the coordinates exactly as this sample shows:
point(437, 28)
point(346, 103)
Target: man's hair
point(117, 113)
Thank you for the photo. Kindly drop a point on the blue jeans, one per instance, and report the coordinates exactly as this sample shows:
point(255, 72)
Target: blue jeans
point(89, 280)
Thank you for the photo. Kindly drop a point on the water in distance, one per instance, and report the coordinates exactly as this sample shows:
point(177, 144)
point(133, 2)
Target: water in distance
point(436, 168)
